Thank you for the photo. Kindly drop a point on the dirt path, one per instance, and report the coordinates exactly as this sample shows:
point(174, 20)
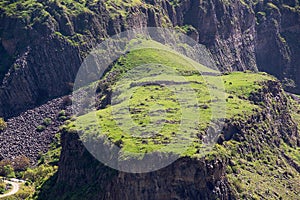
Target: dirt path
point(14, 190)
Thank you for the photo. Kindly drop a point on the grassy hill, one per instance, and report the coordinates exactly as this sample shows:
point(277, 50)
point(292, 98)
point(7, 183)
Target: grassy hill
point(155, 101)
point(167, 90)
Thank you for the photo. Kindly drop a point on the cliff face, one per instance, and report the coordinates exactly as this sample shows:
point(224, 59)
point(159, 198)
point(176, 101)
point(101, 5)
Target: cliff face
point(49, 45)
point(258, 137)
point(276, 40)
point(184, 179)
point(227, 29)
point(43, 49)
point(246, 35)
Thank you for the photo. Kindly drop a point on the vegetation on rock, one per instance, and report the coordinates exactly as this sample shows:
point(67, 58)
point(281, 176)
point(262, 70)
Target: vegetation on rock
point(3, 124)
point(255, 169)
point(238, 86)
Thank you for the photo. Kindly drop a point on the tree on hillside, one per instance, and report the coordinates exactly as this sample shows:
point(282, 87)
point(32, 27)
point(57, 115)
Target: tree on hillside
point(6, 168)
point(4, 163)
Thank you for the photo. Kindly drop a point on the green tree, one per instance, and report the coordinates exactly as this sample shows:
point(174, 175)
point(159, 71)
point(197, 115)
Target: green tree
point(3, 167)
point(2, 187)
point(30, 174)
point(7, 171)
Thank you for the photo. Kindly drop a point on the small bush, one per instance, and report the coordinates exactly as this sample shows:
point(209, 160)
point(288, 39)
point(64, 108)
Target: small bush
point(62, 113)
point(3, 124)
point(47, 121)
point(119, 143)
point(6, 168)
point(21, 163)
point(62, 118)
point(67, 101)
point(8, 171)
point(40, 128)
point(228, 170)
point(24, 193)
point(238, 185)
point(235, 169)
point(2, 187)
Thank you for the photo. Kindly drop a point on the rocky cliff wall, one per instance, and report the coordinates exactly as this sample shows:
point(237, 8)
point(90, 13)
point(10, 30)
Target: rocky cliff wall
point(44, 49)
point(81, 176)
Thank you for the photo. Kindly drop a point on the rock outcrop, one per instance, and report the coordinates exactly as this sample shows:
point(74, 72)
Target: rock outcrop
point(184, 179)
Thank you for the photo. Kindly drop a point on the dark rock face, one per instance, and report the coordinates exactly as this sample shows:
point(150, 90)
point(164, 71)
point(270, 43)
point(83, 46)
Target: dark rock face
point(228, 30)
point(240, 35)
point(184, 179)
point(41, 73)
point(278, 31)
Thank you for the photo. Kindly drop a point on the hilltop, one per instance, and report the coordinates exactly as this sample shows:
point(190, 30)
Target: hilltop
point(255, 156)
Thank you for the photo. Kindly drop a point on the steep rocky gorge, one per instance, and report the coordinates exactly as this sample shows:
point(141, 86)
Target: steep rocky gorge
point(43, 45)
point(43, 49)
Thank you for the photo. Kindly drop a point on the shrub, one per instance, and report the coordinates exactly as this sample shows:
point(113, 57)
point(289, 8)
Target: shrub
point(21, 163)
point(6, 168)
point(67, 101)
point(23, 194)
point(3, 124)
point(38, 174)
point(7, 171)
point(62, 118)
point(228, 170)
point(62, 113)
point(238, 185)
point(2, 187)
point(30, 174)
point(235, 169)
point(47, 121)
point(40, 128)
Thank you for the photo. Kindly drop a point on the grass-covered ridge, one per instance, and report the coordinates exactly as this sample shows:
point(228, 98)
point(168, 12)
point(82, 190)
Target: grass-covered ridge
point(37, 10)
point(30, 8)
point(136, 124)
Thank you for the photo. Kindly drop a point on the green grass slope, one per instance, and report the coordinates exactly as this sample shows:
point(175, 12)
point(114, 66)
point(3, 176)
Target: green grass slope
point(132, 123)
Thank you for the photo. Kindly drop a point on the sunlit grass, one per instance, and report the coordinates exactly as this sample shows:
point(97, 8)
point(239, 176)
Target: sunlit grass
point(161, 102)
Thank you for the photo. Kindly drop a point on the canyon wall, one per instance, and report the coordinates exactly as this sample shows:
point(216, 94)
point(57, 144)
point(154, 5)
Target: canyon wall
point(43, 50)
